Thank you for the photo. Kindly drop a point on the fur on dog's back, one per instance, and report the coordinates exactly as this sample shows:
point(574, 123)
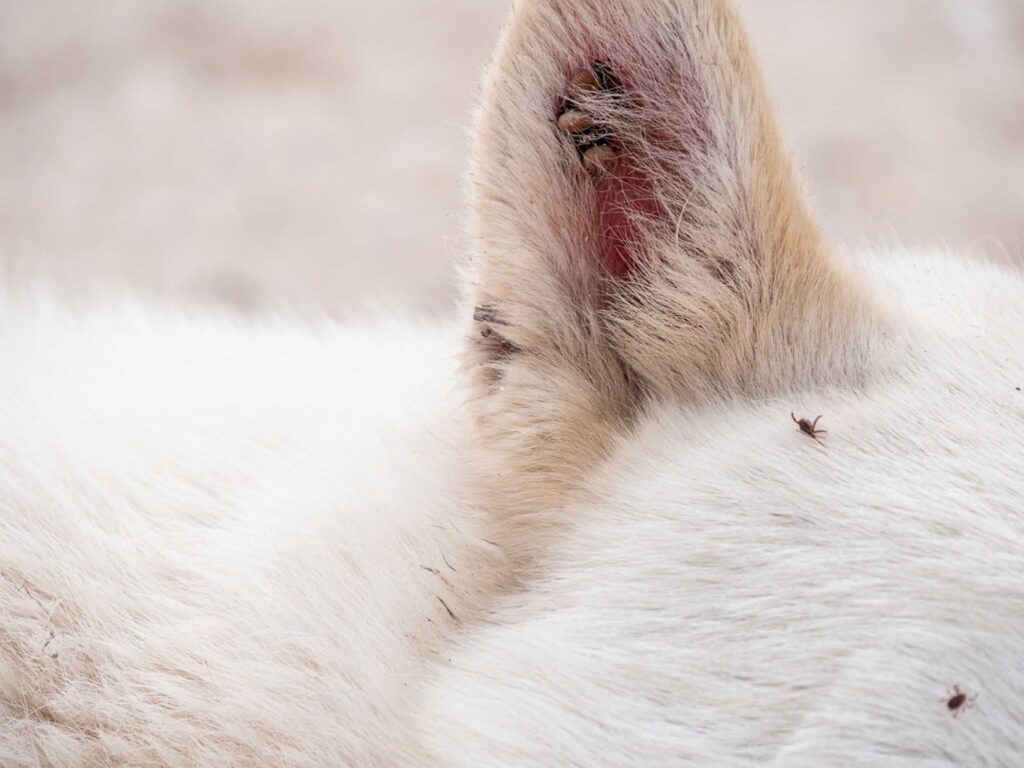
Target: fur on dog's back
point(731, 592)
point(581, 528)
point(223, 543)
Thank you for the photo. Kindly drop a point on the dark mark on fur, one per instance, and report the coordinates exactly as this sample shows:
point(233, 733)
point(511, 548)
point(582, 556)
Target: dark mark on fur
point(500, 347)
point(439, 575)
point(605, 78)
point(46, 645)
point(51, 633)
point(35, 599)
point(447, 563)
point(487, 313)
point(450, 612)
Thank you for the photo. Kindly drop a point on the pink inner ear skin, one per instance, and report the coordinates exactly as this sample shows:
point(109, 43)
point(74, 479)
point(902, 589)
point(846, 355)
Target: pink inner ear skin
point(625, 198)
point(655, 121)
point(623, 201)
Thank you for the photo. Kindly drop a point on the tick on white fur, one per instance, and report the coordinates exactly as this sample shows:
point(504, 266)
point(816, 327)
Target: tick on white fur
point(809, 428)
point(959, 702)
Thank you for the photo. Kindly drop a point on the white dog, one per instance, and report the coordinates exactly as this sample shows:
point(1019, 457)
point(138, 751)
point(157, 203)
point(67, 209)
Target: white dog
point(597, 522)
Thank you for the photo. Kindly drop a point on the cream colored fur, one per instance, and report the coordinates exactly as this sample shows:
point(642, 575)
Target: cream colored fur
point(737, 292)
point(580, 529)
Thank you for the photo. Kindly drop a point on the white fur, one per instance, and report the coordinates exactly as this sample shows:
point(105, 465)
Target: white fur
point(209, 517)
point(736, 594)
point(229, 542)
point(214, 537)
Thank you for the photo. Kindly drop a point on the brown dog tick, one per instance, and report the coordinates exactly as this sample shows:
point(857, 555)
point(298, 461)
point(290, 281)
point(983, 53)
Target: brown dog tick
point(959, 702)
point(809, 428)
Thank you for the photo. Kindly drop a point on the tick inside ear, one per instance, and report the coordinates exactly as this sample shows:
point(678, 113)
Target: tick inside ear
point(598, 113)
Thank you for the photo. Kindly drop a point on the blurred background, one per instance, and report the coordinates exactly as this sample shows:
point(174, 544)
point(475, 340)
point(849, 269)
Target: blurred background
point(267, 153)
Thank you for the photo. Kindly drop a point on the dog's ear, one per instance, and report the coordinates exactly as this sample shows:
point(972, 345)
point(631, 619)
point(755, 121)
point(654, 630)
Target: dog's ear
point(637, 226)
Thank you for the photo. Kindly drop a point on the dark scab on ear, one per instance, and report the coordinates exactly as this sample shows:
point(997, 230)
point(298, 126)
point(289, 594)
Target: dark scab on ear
point(496, 347)
point(487, 313)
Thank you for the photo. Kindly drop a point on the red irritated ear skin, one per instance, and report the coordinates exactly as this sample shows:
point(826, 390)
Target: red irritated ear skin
point(599, 100)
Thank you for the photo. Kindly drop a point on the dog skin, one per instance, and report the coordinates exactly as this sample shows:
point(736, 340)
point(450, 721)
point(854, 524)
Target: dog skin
point(576, 525)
